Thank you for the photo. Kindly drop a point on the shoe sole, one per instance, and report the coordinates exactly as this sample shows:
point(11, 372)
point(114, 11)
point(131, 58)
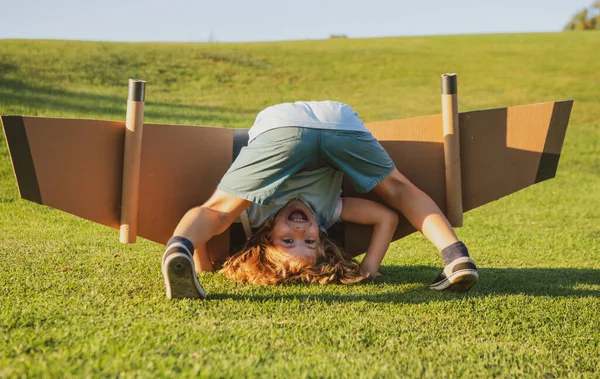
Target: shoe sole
point(460, 281)
point(180, 278)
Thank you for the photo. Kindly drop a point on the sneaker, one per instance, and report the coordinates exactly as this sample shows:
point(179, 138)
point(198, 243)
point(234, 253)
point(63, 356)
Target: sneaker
point(180, 275)
point(460, 276)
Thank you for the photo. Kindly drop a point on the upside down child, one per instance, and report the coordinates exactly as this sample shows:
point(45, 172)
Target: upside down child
point(287, 181)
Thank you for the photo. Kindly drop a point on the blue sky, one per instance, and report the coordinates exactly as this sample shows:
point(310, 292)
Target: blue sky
point(271, 20)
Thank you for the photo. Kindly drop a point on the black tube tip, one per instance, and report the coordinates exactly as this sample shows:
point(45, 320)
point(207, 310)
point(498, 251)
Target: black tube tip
point(449, 84)
point(137, 90)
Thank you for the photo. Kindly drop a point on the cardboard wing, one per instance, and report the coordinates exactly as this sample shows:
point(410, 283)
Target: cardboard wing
point(76, 165)
point(501, 151)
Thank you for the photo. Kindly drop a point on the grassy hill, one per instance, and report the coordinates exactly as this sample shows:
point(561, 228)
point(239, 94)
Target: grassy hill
point(75, 302)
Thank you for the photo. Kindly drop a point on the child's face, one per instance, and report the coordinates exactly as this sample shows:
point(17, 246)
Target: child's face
point(296, 232)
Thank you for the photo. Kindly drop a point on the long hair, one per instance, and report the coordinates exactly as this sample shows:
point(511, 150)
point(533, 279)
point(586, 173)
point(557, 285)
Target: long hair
point(260, 262)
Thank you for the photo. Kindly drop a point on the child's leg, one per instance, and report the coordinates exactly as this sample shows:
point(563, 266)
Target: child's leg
point(194, 230)
point(420, 210)
point(366, 163)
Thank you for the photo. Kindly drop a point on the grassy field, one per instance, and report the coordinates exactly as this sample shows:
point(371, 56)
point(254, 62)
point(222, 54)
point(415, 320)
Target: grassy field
point(75, 302)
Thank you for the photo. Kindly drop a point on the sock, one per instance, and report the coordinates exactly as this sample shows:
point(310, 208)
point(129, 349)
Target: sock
point(454, 251)
point(181, 240)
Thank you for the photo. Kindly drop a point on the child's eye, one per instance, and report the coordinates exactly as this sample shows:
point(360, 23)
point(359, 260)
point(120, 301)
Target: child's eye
point(288, 240)
point(309, 241)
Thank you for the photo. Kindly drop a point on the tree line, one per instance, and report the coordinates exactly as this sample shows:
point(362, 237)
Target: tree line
point(586, 19)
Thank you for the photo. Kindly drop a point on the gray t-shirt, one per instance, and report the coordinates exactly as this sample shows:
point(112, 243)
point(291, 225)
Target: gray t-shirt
point(318, 189)
point(308, 114)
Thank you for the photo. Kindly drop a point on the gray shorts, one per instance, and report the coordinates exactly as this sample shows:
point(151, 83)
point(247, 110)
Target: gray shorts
point(275, 155)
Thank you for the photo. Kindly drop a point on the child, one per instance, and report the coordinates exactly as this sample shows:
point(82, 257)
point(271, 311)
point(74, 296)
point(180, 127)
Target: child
point(290, 247)
point(300, 151)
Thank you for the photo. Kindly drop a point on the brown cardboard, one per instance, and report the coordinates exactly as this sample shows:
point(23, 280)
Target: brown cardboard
point(452, 159)
point(132, 154)
point(181, 167)
point(505, 150)
point(78, 164)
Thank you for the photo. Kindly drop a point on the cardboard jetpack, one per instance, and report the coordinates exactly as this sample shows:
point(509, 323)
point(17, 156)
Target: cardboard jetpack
point(111, 173)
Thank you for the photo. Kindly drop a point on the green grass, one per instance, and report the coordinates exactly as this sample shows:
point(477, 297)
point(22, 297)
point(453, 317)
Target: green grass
point(75, 302)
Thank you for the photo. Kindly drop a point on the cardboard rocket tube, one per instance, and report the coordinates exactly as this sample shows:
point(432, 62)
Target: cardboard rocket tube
point(131, 160)
point(454, 206)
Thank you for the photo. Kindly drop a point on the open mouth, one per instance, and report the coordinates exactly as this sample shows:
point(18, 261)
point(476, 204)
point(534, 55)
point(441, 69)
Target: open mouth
point(298, 216)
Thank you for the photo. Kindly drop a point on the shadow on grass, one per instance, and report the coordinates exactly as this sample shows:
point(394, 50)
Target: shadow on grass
point(551, 282)
point(20, 94)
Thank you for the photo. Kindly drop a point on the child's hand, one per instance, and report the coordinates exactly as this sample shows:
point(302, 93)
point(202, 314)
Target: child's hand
point(370, 277)
point(371, 273)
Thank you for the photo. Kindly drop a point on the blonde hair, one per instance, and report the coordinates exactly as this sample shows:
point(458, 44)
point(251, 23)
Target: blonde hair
point(260, 262)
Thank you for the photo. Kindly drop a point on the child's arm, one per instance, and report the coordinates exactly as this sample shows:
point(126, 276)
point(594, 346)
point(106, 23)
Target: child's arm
point(202, 260)
point(384, 221)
